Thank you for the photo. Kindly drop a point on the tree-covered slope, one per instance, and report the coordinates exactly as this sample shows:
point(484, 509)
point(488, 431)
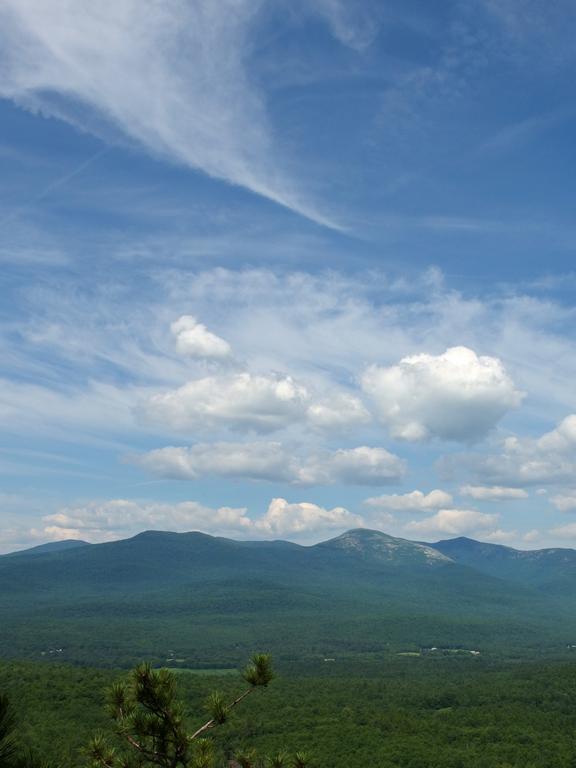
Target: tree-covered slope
point(197, 598)
point(51, 546)
point(413, 713)
point(552, 570)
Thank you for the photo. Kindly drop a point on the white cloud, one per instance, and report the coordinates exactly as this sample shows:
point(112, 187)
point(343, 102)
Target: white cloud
point(525, 461)
point(532, 29)
point(284, 518)
point(116, 518)
point(107, 520)
point(271, 461)
point(493, 493)
point(251, 402)
point(173, 80)
point(331, 325)
point(355, 25)
point(352, 466)
point(531, 536)
point(565, 531)
point(415, 501)
point(195, 340)
point(322, 329)
point(453, 396)
point(565, 502)
point(453, 522)
point(256, 461)
point(500, 536)
point(240, 401)
point(61, 533)
point(560, 440)
point(66, 411)
point(341, 411)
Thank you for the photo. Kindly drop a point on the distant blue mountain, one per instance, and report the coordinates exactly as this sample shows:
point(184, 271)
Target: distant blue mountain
point(552, 570)
point(52, 546)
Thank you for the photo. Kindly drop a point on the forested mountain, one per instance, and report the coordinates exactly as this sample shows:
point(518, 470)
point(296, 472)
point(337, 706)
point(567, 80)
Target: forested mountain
point(552, 570)
point(195, 597)
point(51, 546)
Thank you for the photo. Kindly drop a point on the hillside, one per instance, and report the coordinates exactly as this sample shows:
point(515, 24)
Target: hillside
point(201, 598)
point(551, 570)
point(51, 546)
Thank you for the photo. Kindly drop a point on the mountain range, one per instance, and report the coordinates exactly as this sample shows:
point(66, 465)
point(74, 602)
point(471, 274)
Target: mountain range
point(204, 600)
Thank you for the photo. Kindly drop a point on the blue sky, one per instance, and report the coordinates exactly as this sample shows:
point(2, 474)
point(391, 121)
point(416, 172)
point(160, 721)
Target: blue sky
point(280, 269)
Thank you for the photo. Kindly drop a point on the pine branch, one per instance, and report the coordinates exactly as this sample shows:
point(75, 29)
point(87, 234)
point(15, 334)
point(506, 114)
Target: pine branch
point(212, 723)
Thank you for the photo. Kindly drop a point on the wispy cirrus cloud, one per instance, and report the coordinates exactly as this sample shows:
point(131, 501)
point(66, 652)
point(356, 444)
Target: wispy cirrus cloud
point(354, 25)
point(532, 29)
point(174, 80)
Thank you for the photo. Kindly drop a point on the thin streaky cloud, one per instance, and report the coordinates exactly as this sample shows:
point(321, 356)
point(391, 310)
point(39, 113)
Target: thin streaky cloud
point(184, 93)
point(522, 132)
point(58, 183)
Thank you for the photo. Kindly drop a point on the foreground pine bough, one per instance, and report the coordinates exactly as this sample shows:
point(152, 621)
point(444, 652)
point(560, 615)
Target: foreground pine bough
point(150, 728)
point(10, 755)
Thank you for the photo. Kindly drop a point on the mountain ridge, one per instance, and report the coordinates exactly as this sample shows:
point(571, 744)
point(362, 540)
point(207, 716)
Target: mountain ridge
point(50, 546)
point(62, 544)
point(361, 592)
point(551, 567)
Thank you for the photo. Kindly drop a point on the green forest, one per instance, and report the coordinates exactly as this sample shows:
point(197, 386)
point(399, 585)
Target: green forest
point(411, 712)
point(383, 657)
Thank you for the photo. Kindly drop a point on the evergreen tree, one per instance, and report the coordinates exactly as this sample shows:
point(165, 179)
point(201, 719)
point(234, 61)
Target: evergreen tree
point(151, 732)
point(10, 755)
point(7, 740)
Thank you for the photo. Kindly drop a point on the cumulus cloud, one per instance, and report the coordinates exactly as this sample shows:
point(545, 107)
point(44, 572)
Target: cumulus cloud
point(115, 518)
point(525, 461)
point(256, 461)
point(248, 402)
point(493, 493)
point(415, 501)
point(452, 522)
point(565, 531)
point(322, 328)
point(500, 536)
point(107, 520)
point(272, 461)
point(561, 440)
point(565, 502)
point(195, 340)
point(352, 466)
point(184, 92)
point(453, 396)
point(241, 401)
point(331, 323)
point(341, 411)
point(284, 518)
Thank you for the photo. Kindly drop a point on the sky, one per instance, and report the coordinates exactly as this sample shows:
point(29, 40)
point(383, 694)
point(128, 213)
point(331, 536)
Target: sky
point(280, 269)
